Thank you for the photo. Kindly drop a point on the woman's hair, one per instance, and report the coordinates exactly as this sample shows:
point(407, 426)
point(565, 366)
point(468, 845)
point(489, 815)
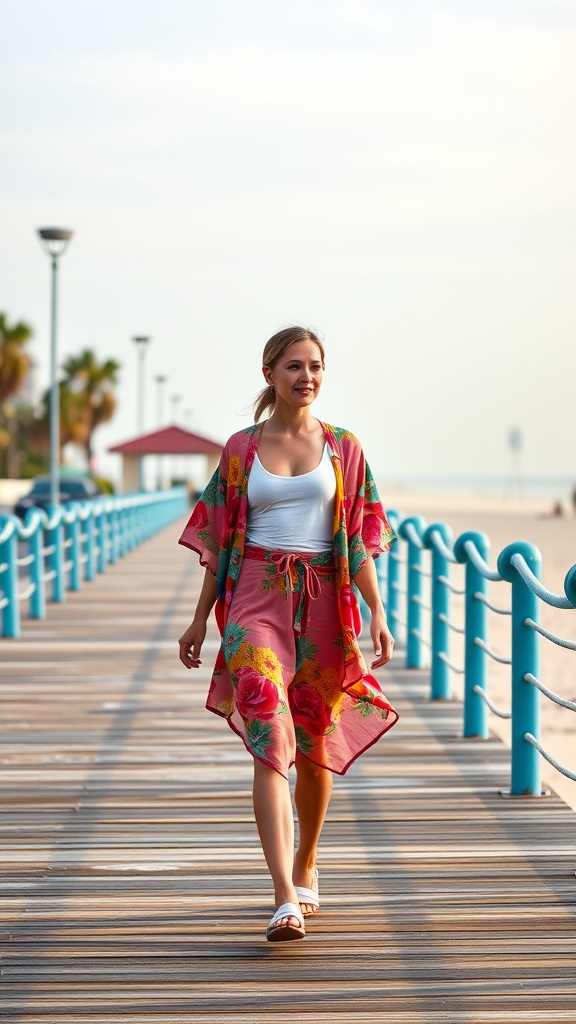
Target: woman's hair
point(273, 349)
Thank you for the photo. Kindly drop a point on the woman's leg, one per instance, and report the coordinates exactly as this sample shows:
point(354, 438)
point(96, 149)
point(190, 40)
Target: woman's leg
point(311, 796)
point(275, 821)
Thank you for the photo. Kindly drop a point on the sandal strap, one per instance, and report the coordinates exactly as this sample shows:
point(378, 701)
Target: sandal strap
point(306, 895)
point(287, 910)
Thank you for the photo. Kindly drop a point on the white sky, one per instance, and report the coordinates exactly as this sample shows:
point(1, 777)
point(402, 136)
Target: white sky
point(399, 175)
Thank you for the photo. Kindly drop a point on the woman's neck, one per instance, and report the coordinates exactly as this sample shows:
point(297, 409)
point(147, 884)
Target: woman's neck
point(291, 421)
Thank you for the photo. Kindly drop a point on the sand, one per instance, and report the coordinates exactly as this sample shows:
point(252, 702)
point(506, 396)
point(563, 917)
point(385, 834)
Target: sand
point(505, 522)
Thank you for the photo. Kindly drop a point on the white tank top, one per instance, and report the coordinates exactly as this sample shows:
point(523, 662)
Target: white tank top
point(292, 513)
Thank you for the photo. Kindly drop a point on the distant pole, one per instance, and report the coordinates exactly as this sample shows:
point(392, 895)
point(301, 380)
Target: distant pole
point(141, 341)
point(54, 241)
point(515, 445)
point(160, 379)
point(175, 399)
point(188, 461)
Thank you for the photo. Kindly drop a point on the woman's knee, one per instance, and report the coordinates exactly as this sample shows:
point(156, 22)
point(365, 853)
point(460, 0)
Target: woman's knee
point(309, 769)
point(266, 773)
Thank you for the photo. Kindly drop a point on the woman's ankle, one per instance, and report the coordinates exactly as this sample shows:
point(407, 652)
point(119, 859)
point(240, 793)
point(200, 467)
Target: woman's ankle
point(285, 894)
point(305, 861)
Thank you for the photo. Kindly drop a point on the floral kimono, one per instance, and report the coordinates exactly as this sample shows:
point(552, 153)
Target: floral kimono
point(289, 674)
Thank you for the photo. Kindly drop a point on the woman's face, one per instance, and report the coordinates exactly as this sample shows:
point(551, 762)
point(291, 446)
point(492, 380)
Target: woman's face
point(297, 374)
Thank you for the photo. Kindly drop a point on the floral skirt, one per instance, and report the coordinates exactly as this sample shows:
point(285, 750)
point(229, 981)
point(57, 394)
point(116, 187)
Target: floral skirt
point(278, 678)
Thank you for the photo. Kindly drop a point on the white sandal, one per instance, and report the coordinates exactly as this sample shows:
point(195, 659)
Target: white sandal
point(282, 933)
point(309, 896)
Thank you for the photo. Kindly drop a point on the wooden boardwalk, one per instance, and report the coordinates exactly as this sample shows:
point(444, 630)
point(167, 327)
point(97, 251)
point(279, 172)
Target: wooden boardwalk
point(132, 885)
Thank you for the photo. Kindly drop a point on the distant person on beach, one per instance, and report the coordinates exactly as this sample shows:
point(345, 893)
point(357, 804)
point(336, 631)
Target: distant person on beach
point(288, 521)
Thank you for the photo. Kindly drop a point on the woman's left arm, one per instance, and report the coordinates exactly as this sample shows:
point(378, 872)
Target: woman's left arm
point(367, 582)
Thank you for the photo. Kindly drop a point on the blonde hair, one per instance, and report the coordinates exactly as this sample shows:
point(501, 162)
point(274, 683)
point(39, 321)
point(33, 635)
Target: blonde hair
point(273, 349)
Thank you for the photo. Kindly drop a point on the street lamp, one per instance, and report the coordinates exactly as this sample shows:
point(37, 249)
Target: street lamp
point(54, 241)
point(175, 399)
point(141, 341)
point(160, 379)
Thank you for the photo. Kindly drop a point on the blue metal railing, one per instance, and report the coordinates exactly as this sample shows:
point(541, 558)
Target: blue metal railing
point(59, 549)
point(415, 582)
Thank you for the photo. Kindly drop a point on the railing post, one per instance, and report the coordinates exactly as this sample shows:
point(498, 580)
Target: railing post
point(36, 550)
point(440, 671)
point(394, 569)
point(476, 626)
point(112, 517)
point(123, 530)
point(9, 577)
point(525, 776)
point(102, 556)
point(72, 533)
point(127, 518)
point(570, 585)
point(414, 647)
point(54, 532)
point(88, 547)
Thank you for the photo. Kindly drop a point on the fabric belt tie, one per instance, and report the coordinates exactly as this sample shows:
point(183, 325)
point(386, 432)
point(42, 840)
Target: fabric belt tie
point(289, 564)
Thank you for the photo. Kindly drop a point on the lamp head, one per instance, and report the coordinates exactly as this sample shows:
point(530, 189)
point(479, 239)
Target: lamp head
point(55, 240)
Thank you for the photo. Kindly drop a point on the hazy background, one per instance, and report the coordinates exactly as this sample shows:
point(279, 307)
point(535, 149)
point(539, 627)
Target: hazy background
point(399, 175)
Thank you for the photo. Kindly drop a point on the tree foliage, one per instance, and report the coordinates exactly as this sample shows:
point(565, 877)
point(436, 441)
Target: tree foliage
point(87, 396)
point(14, 360)
point(87, 399)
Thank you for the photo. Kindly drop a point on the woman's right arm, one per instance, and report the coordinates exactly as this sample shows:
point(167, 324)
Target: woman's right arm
point(192, 639)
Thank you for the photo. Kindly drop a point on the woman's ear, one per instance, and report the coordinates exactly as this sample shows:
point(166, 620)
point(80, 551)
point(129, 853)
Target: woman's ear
point(267, 374)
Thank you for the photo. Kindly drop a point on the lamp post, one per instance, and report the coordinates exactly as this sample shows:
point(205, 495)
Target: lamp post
point(54, 241)
point(175, 399)
point(141, 341)
point(160, 379)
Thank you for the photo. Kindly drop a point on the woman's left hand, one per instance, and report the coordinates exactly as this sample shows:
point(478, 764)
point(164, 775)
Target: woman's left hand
point(382, 639)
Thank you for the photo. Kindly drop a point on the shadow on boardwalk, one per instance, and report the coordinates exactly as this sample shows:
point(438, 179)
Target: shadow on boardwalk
point(132, 883)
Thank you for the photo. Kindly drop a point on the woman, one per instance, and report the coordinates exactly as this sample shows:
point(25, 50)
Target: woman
point(288, 521)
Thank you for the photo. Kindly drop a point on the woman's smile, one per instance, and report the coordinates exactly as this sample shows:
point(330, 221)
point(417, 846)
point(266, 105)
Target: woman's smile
point(299, 373)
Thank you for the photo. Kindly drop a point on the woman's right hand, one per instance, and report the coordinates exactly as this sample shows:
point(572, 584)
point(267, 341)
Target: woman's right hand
point(190, 644)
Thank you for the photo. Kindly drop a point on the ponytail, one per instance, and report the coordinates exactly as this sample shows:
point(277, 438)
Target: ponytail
point(265, 400)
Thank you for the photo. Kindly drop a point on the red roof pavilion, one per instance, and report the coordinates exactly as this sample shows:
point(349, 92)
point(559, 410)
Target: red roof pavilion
point(167, 441)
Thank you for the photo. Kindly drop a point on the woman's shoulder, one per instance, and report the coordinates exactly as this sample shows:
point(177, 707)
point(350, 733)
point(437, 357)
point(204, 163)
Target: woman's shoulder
point(240, 439)
point(341, 435)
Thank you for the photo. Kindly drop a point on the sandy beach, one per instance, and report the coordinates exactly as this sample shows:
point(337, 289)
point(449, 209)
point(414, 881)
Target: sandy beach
point(504, 522)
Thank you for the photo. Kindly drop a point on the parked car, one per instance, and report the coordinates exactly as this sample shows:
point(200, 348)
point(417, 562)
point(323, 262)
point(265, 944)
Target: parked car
point(72, 488)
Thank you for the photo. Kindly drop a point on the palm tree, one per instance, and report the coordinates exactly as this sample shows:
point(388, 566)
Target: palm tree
point(14, 361)
point(87, 397)
point(72, 428)
point(14, 366)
